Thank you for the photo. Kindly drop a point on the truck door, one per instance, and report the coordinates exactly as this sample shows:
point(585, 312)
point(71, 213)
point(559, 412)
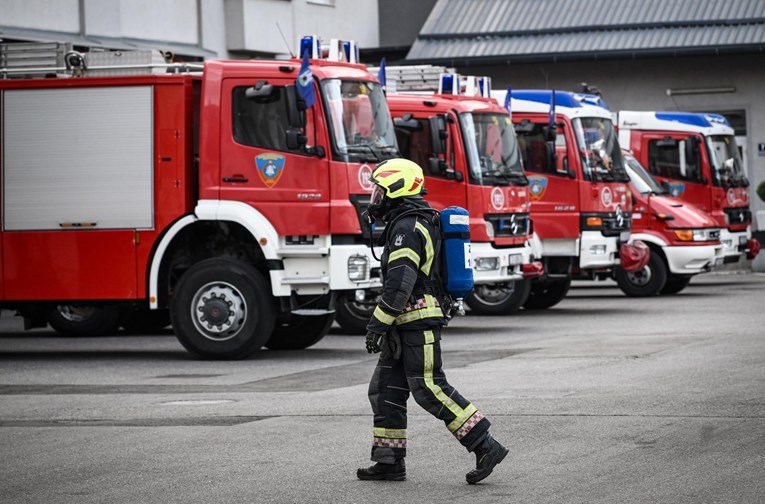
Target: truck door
point(421, 142)
point(553, 184)
point(77, 186)
point(677, 161)
point(262, 166)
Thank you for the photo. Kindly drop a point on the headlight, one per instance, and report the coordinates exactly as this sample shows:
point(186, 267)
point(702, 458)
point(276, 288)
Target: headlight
point(358, 268)
point(487, 263)
point(515, 259)
point(694, 234)
point(598, 250)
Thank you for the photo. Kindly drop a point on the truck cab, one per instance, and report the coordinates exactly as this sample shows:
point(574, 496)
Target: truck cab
point(468, 148)
point(695, 157)
point(684, 241)
point(219, 195)
point(578, 187)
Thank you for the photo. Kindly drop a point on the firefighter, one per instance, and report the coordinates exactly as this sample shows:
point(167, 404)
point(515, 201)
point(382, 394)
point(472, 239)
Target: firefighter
point(406, 328)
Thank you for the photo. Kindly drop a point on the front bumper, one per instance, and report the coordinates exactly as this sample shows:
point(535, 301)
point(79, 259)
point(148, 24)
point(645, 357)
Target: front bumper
point(598, 251)
point(734, 244)
point(692, 259)
point(508, 262)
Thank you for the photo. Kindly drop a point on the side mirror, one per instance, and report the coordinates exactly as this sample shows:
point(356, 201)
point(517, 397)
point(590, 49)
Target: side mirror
point(295, 108)
point(550, 133)
point(437, 165)
point(692, 150)
point(296, 139)
point(438, 134)
point(551, 157)
point(665, 184)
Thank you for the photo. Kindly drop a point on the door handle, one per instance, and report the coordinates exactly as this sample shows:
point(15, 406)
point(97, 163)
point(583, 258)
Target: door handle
point(235, 179)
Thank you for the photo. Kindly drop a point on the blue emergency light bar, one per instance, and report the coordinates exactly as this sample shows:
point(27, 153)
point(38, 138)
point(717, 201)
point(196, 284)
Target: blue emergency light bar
point(562, 98)
point(449, 84)
point(337, 50)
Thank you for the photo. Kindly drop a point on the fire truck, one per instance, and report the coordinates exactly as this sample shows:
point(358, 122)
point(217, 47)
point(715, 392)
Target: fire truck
point(580, 204)
point(134, 189)
point(684, 241)
point(696, 158)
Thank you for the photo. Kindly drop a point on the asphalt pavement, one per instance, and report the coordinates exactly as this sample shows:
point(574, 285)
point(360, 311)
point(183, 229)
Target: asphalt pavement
point(601, 399)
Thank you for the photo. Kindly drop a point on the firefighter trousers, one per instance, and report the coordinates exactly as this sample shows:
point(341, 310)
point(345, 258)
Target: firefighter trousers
point(418, 372)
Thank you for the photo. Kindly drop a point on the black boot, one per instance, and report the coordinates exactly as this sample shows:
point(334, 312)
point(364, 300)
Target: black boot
point(390, 472)
point(488, 454)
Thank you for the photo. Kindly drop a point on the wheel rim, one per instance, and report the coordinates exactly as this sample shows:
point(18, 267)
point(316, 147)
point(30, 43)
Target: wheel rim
point(360, 311)
point(219, 311)
point(493, 295)
point(76, 313)
point(641, 277)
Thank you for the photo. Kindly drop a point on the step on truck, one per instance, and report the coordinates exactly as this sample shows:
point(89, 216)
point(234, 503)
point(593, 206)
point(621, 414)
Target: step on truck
point(134, 189)
point(696, 158)
point(683, 240)
point(580, 204)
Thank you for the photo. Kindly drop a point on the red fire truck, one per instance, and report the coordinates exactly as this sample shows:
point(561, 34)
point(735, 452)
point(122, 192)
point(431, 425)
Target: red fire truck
point(578, 185)
point(696, 158)
point(213, 194)
point(684, 241)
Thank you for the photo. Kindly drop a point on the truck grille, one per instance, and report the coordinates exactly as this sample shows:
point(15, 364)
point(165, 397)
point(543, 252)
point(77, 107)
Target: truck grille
point(509, 224)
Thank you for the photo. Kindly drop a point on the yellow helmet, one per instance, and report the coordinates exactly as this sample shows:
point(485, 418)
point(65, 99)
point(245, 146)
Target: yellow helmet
point(395, 178)
point(399, 178)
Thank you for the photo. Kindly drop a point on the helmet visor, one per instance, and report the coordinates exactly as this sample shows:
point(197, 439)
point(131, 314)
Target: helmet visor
point(378, 195)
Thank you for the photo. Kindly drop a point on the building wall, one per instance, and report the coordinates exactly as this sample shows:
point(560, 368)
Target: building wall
point(226, 29)
point(641, 84)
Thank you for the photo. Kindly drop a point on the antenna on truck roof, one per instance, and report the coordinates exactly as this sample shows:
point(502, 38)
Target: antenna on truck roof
point(285, 40)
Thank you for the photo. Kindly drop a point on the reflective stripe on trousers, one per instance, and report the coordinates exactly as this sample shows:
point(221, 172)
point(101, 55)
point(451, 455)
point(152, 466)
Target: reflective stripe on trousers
point(419, 372)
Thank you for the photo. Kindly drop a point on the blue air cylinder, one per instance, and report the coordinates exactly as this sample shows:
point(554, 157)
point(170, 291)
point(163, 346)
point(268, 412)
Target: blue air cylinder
point(458, 263)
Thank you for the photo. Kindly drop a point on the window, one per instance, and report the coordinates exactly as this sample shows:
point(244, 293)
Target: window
point(675, 159)
point(263, 122)
point(533, 147)
point(415, 145)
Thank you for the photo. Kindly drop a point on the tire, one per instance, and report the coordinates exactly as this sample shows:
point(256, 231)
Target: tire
point(498, 299)
point(547, 294)
point(676, 283)
point(301, 332)
point(145, 321)
point(353, 317)
point(201, 295)
point(644, 282)
point(85, 320)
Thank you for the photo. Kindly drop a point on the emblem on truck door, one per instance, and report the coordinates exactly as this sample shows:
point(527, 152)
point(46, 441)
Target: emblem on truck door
point(270, 168)
point(537, 187)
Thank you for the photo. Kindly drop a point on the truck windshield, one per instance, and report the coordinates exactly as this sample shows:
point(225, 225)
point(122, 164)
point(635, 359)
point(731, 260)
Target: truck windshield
point(492, 149)
point(599, 149)
point(726, 160)
point(360, 120)
point(640, 178)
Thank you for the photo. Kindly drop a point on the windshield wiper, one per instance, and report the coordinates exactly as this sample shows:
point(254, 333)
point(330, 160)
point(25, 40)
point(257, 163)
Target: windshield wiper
point(501, 177)
point(362, 148)
point(391, 149)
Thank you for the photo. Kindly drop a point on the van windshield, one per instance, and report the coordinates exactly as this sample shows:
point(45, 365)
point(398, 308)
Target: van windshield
point(599, 149)
point(640, 178)
point(360, 120)
point(726, 160)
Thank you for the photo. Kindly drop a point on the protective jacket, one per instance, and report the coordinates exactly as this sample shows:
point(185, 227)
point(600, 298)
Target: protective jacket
point(408, 265)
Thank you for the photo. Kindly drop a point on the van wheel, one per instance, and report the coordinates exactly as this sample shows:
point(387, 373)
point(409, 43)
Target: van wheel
point(676, 283)
point(498, 299)
point(222, 309)
point(300, 332)
point(547, 294)
point(644, 282)
point(84, 320)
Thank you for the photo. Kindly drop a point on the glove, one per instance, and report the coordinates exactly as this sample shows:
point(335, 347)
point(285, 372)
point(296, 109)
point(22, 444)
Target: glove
point(373, 342)
point(391, 346)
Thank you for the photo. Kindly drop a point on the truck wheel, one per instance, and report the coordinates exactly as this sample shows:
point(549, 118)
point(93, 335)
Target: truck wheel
point(83, 320)
point(643, 282)
point(498, 299)
point(353, 317)
point(222, 309)
point(145, 321)
point(547, 294)
point(301, 332)
point(676, 283)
